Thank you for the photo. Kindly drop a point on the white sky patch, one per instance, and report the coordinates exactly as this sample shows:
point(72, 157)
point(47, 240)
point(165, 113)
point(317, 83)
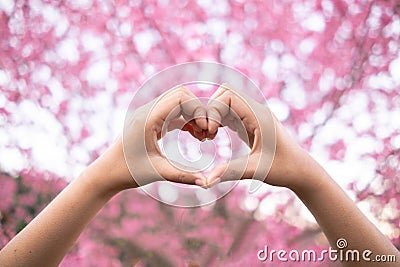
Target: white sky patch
point(57, 91)
point(327, 7)
point(217, 28)
point(302, 9)
point(268, 205)
point(297, 215)
point(11, 159)
point(98, 72)
point(249, 203)
point(395, 142)
point(149, 70)
point(393, 28)
point(38, 130)
point(356, 103)
point(279, 108)
point(294, 93)
point(50, 14)
point(27, 50)
point(123, 11)
point(67, 50)
point(205, 196)
point(3, 100)
point(111, 85)
point(273, 65)
point(73, 123)
point(215, 8)
point(4, 77)
point(145, 40)
point(362, 122)
point(270, 67)
point(80, 4)
point(319, 116)
point(233, 49)
point(100, 134)
point(394, 69)
point(327, 80)
point(382, 81)
point(344, 172)
point(7, 6)
point(41, 74)
point(387, 122)
point(315, 22)
point(305, 131)
point(359, 146)
point(354, 9)
point(307, 46)
point(194, 153)
point(91, 42)
point(167, 192)
point(353, 167)
point(288, 61)
point(35, 7)
point(225, 151)
point(61, 26)
point(125, 29)
point(344, 32)
point(333, 131)
point(277, 46)
point(373, 20)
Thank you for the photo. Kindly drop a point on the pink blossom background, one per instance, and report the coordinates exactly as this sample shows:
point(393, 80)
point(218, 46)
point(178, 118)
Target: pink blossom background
point(68, 69)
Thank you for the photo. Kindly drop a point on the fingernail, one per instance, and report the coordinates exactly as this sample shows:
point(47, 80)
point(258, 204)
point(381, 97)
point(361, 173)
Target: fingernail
point(199, 182)
point(207, 186)
point(199, 176)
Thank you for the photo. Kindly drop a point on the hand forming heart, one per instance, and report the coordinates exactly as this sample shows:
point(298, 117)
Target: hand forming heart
point(181, 109)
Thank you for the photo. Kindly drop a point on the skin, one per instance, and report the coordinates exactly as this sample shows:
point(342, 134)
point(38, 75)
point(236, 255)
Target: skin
point(292, 167)
point(46, 240)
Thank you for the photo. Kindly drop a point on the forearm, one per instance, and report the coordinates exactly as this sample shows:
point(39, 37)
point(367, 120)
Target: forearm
point(339, 217)
point(46, 240)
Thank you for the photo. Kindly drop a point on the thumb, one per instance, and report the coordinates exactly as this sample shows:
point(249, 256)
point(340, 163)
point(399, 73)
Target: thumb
point(176, 172)
point(238, 169)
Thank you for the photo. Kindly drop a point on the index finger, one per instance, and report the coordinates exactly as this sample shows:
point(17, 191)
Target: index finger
point(228, 102)
point(177, 102)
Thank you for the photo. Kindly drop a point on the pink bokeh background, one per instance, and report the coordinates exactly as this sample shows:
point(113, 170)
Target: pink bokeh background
point(68, 69)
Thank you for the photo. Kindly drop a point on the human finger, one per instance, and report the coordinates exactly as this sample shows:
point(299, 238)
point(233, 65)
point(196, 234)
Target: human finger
point(226, 102)
point(177, 102)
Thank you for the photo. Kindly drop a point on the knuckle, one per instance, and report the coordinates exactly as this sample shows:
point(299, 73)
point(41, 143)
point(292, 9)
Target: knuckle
point(229, 93)
point(181, 92)
point(213, 113)
point(181, 177)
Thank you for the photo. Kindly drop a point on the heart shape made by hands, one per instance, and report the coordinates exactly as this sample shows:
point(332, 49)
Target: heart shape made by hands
point(233, 144)
point(149, 130)
point(190, 147)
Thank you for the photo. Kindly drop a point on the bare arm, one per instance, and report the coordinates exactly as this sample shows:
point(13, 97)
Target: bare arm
point(339, 217)
point(49, 236)
point(292, 167)
point(46, 239)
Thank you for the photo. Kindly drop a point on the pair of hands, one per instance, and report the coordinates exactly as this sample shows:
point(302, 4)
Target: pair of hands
point(273, 152)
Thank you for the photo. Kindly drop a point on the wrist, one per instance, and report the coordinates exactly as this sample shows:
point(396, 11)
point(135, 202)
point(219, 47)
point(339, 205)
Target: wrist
point(96, 183)
point(109, 173)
